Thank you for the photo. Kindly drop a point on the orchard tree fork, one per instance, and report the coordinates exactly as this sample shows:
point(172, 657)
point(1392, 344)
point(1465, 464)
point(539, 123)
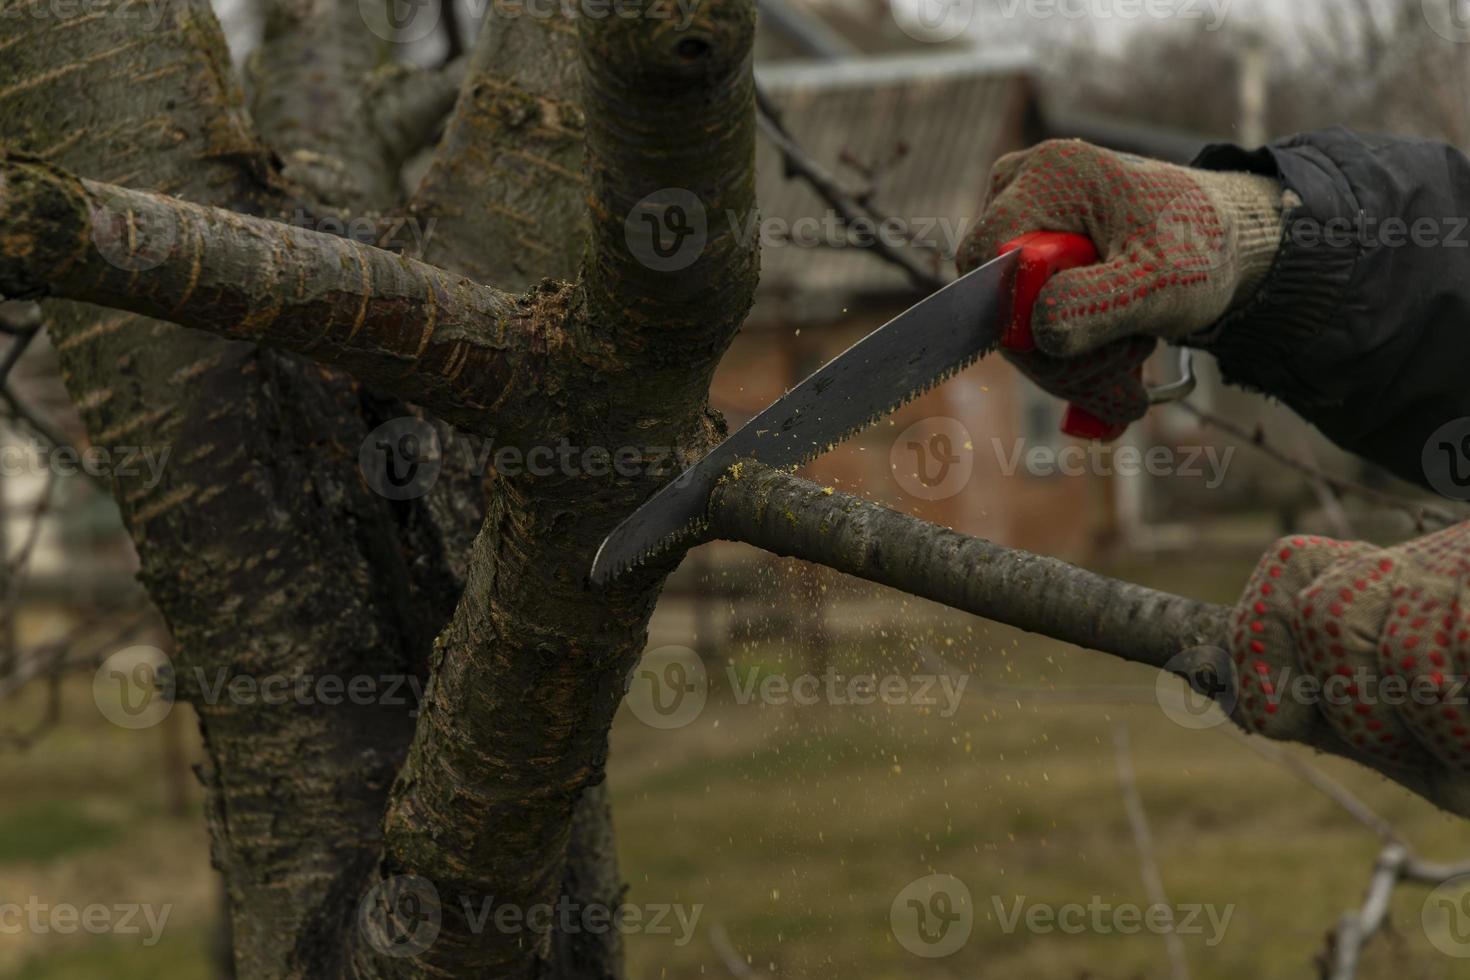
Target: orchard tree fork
point(526, 316)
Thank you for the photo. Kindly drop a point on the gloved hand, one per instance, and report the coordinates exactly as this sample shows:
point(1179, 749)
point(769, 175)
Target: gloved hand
point(1179, 249)
point(1382, 636)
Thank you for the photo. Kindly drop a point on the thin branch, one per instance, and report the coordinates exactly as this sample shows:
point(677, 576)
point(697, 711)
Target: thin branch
point(429, 336)
point(1153, 879)
point(800, 164)
point(1321, 782)
point(730, 957)
point(1423, 514)
point(1396, 864)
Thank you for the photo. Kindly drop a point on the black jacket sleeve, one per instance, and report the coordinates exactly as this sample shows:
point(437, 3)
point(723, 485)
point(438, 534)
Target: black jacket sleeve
point(1363, 325)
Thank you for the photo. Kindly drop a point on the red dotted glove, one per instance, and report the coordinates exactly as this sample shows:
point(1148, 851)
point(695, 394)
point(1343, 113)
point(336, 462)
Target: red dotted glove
point(1179, 249)
point(1372, 643)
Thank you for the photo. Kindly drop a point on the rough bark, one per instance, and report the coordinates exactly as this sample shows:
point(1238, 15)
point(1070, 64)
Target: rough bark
point(260, 545)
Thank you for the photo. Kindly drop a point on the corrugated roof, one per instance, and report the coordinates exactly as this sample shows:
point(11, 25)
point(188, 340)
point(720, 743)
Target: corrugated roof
point(954, 114)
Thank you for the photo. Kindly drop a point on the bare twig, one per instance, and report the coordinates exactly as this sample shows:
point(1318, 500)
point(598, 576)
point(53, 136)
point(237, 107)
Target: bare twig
point(846, 205)
point(1396, 864)
point(1153, 879)
point(729, 956)
point(1423, 514)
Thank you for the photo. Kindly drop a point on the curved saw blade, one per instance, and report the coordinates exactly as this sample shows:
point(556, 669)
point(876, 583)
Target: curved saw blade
point(893, 365)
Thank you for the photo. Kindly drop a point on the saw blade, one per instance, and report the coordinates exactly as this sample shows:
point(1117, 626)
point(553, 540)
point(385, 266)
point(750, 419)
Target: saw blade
point(901, 360)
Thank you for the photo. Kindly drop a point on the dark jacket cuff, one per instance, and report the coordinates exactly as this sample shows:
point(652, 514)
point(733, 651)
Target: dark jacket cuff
point(1260, 344)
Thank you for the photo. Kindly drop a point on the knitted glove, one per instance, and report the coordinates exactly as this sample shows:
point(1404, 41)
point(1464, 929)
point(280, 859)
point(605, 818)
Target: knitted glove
point(1370, 643)
point(1179, 249)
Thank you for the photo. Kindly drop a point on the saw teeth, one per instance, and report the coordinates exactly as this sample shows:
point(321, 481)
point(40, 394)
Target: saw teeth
point(696, 526)
point(661, 547)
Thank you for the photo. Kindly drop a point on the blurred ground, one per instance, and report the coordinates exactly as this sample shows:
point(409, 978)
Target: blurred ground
point(794, 828)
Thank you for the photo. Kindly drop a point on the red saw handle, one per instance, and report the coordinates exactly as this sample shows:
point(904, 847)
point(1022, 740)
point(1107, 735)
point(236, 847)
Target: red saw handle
point(1043, 255)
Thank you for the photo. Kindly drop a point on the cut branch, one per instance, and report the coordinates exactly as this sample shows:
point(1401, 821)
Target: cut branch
point(776, 511)
point(791, 517)
point(427, 335)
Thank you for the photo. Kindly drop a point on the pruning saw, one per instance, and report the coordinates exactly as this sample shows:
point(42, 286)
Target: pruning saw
point(987, 308)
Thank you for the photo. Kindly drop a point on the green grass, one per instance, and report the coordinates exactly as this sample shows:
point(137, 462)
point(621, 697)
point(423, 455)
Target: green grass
point(793, 829)
point(49, 830)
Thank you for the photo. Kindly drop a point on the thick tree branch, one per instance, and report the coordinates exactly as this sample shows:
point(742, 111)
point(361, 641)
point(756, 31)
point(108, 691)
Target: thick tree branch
point(505, 189)
point(312, 102)
point(430, 336)
point(671, 208)
point(778, 512)
point(787, 516)
point(528, 674)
